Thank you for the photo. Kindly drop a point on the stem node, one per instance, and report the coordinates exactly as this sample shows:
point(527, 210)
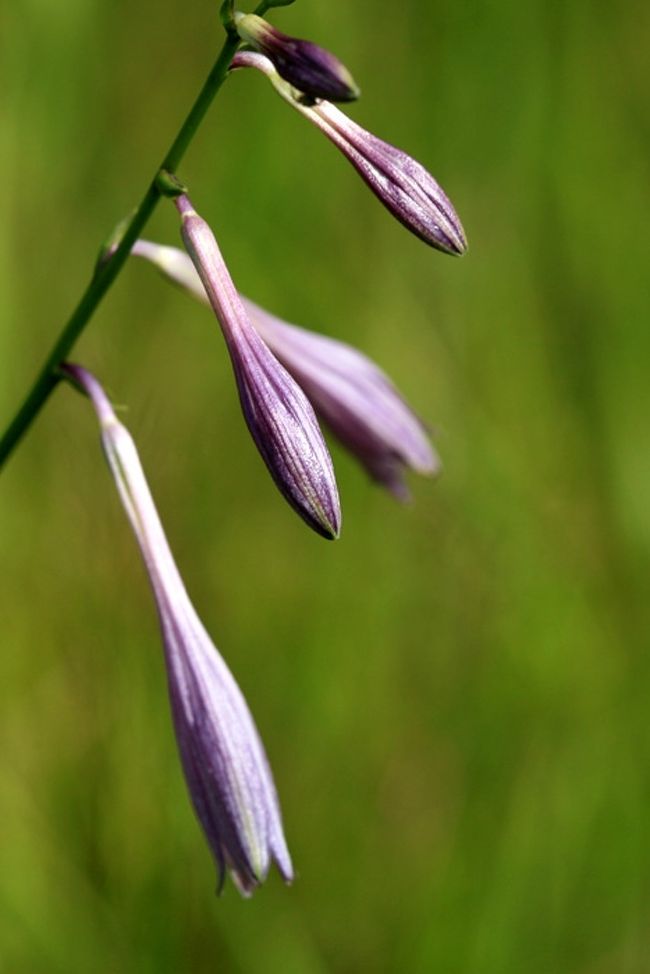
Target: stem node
point(169, 185)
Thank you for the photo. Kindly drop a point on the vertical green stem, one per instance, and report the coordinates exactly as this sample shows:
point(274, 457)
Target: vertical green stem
point(48, 377)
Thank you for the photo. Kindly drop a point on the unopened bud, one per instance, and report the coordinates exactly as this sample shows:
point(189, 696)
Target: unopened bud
point(311, 69)
point(277, 412)
point(398, 181)
point(356, 399)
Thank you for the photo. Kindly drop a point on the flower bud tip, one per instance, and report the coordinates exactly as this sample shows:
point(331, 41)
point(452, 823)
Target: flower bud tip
point(311, 69)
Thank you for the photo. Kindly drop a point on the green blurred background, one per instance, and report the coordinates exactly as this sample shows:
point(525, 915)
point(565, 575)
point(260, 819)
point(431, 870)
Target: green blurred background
point(454, 696)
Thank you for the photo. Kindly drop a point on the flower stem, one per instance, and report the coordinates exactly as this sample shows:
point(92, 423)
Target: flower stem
point(106, 273)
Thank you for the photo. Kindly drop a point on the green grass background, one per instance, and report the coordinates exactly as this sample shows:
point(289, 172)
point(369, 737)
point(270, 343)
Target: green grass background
point(454, 697)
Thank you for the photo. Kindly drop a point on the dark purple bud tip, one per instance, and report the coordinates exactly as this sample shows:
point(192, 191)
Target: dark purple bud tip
point(311, 69)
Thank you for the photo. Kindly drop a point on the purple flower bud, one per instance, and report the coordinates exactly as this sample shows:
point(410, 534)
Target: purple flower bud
point(355, 398)
point(223, 759)
point(279, 416)
point(311, 69)
point(404, 186)
point(348, 391)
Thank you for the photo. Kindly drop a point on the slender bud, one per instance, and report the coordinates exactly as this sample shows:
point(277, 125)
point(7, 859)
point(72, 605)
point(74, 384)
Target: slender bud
point(398, 181)
point(279, 416)
point(355, 398)
point(349, 392)
point(223, 758)
point(311, 69)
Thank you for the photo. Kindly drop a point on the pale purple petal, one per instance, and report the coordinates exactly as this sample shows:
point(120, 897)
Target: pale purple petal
point(355, 398)
point(224, 763)
point(348, 391)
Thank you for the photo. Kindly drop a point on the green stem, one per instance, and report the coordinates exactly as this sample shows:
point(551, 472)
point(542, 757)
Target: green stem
point(106, 273)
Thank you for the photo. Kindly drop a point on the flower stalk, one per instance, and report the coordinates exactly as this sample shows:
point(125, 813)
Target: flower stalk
point(106, 274)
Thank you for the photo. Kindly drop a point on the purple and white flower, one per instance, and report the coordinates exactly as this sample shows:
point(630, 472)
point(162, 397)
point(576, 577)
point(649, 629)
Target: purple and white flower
point(348, 390)
point(401, 183)
point(311, 69)
point(226, 769)
point(279, 416)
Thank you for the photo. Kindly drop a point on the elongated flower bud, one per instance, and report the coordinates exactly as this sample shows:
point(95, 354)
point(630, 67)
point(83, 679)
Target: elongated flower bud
point(279, 416)
point(311, 69)
point(223, 759)
point(404, 186)
point(355, 398)
point(349, 392)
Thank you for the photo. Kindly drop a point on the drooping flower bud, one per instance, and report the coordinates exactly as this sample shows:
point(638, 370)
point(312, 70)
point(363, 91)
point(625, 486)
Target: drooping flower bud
point(315, 72)
point(349, 392)
point(355, 398)
point(401, 183)
point(226, 769)
point(279, 416)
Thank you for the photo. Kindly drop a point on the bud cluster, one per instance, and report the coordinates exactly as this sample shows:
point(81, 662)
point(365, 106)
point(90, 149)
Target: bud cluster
point(287, 378)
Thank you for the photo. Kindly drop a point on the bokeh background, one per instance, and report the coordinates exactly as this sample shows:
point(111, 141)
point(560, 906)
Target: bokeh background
point(454, 697)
